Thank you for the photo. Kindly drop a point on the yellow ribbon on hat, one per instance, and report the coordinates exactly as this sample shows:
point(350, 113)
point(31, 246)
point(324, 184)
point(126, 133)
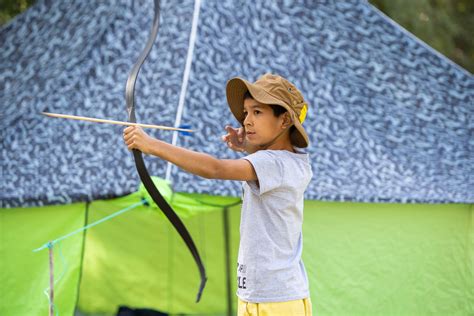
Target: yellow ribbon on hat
point(303, 112)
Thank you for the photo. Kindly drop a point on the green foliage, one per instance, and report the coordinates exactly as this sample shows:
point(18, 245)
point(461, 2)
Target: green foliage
point(445, 25)
point(10, 8)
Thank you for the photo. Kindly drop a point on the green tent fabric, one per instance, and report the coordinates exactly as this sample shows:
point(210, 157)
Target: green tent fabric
point(390, 259)
point(362, 259)
point(146, 264)
point(24, 274)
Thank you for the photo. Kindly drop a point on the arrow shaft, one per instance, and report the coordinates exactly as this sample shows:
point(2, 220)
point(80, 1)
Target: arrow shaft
point(97, 120)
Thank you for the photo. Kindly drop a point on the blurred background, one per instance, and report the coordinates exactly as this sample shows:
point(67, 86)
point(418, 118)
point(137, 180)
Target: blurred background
point(445, 25)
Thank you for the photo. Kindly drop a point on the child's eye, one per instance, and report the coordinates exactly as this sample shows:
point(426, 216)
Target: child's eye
point(256, 112)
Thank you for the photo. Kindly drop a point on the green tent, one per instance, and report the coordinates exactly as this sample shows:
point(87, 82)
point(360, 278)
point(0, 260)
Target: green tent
point(362, 259)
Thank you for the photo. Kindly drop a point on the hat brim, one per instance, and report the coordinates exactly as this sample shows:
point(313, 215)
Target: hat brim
point(235, 91)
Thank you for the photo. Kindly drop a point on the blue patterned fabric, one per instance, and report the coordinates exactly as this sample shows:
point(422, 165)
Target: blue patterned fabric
point(390, 119)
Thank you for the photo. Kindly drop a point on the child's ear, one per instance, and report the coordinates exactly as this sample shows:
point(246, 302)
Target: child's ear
point(286, 120)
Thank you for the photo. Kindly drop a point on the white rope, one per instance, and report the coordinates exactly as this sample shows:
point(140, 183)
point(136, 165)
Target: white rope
point(187, 71)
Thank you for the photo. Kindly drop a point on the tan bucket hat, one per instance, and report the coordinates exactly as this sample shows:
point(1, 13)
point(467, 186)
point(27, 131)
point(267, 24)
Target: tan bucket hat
point(271, 89)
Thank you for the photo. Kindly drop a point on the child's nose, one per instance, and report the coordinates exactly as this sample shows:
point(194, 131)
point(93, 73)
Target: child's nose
point(247, 120)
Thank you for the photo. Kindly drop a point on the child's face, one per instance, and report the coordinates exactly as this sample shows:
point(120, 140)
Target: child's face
point(260, 124)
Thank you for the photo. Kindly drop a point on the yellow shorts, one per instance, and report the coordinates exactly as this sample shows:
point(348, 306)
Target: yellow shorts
point(290, 308)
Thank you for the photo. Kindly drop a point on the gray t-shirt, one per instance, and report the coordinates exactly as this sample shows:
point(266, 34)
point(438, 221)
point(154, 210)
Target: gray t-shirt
point(269, 267)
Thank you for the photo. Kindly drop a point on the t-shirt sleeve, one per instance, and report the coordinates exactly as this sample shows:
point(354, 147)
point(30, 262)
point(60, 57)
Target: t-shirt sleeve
point(269, 170)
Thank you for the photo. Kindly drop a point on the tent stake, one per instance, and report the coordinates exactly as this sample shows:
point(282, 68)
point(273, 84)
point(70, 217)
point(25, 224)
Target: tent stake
point(51, 279)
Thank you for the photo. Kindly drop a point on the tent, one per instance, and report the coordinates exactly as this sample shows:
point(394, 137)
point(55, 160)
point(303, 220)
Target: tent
point(389, 225)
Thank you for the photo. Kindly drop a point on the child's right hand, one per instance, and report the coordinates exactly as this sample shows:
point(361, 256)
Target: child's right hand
point(234, 138)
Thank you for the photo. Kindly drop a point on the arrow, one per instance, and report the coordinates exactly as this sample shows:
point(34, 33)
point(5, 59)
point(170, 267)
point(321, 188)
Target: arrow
point(96, 120)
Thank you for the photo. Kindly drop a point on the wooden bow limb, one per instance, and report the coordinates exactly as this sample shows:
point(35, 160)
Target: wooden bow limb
point(96, 120)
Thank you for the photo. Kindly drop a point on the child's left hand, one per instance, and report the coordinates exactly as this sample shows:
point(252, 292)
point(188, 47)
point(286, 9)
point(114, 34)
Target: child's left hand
point(234, 138)
point(136, 138)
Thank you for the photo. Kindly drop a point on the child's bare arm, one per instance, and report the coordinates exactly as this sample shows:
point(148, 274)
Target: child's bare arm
point(200, 164)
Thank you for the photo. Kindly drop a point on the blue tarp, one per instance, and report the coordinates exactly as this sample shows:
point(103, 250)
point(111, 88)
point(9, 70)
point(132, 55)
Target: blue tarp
point(390, 119)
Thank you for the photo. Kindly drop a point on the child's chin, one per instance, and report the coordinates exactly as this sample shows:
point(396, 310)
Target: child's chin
point(251, 141)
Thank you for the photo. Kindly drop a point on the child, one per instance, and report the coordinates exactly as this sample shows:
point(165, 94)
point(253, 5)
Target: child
point(271, 276)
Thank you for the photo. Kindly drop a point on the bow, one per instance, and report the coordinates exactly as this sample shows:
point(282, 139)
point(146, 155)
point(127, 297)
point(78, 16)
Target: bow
point(140, 164)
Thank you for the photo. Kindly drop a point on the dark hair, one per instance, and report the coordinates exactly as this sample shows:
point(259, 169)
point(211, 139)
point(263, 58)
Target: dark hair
point(277, 109)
